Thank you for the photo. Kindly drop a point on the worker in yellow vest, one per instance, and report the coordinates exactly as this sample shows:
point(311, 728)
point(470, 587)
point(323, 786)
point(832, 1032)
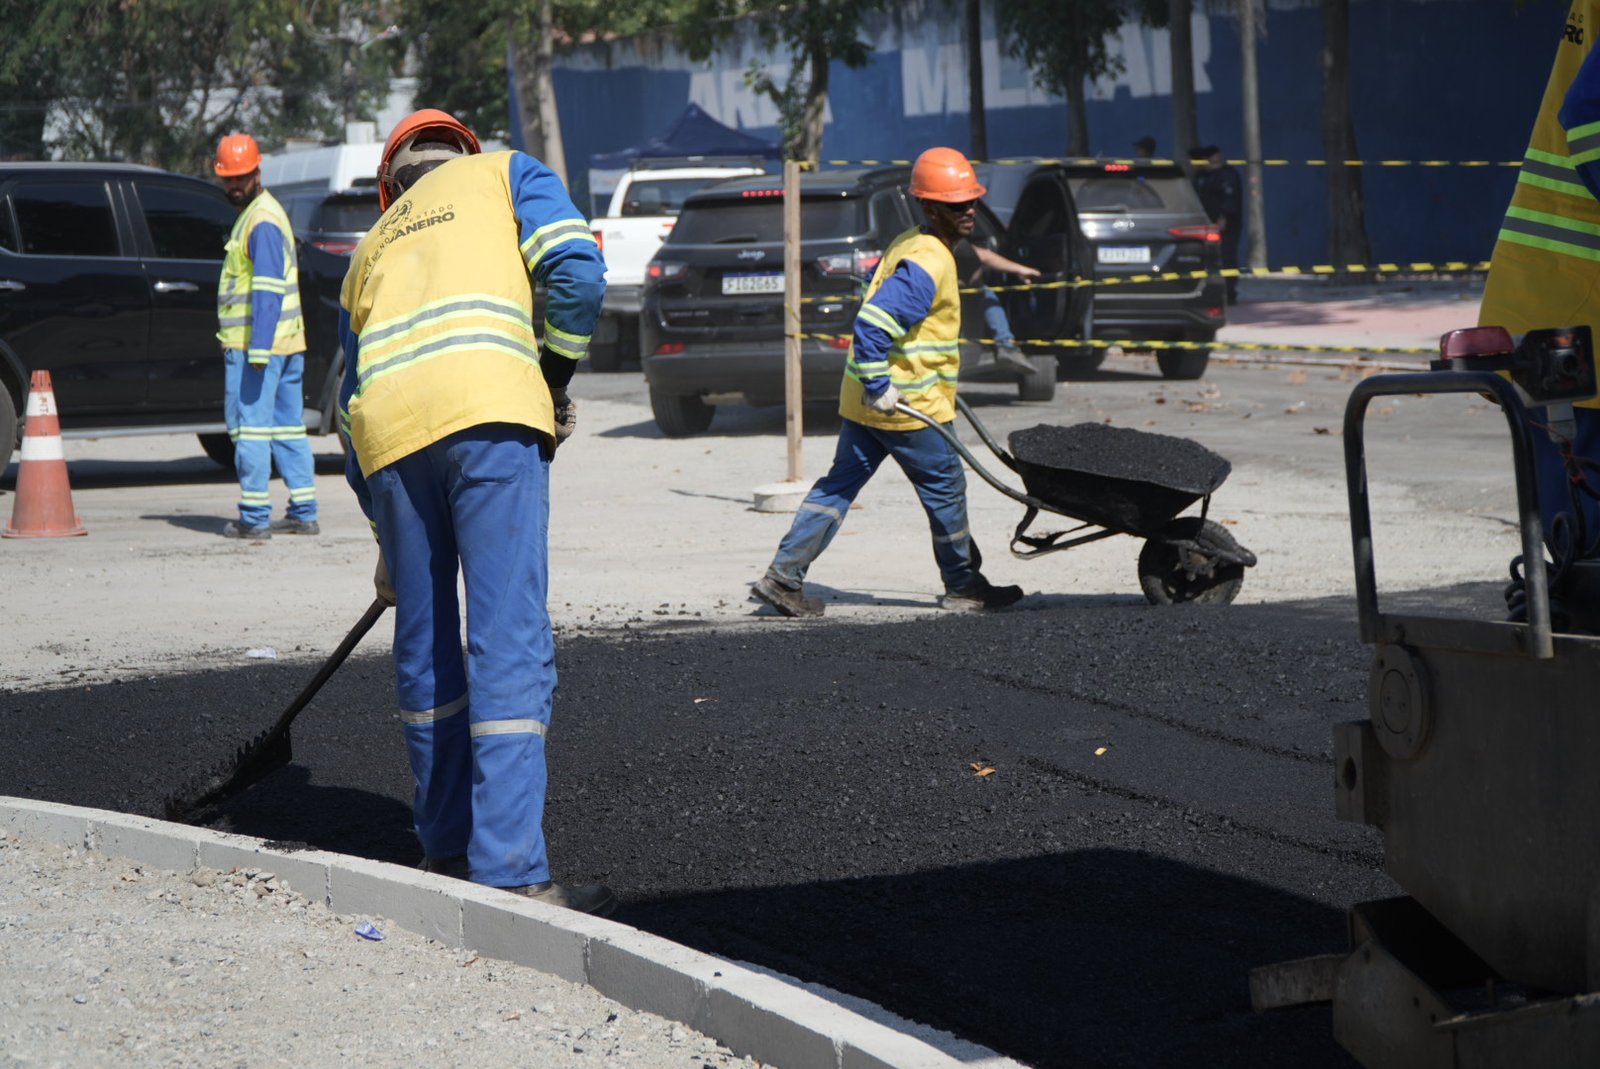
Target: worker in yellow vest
point(1544, 270)
point(264, 343)
point(455, 402)
point(906, 347)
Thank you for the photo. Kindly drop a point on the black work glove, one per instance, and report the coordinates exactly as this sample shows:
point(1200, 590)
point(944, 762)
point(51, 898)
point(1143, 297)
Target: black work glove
point(566, 415)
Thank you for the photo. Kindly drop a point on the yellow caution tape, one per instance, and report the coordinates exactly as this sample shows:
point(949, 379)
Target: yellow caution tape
point(1100, 160)
point(1126, 344)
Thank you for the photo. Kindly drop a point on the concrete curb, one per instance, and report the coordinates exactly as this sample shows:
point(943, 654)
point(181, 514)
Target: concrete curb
point(750, 1013)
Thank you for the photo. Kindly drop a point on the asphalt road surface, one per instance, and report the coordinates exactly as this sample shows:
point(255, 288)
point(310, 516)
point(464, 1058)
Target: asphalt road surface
point(1066, 831)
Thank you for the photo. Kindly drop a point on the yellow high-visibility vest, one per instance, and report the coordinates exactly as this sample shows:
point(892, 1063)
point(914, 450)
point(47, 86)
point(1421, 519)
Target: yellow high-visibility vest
point(238, 283)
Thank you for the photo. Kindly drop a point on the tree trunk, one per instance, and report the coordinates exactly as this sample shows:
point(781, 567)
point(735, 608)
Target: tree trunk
point(1078, 96)
point(979, 138)
point(1347, 228)
point(809, 146)
point(1255, 205)
point(536, 96)
point(1185, 127)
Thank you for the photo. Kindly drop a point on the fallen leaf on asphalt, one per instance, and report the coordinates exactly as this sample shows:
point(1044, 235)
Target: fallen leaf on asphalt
point(1231, 523)
point(1197, 406)
point(1320, 430)
point(1296, 378)
point(1101, 751)
point(1161, 400)
point(1296, 407)
point(980, 769)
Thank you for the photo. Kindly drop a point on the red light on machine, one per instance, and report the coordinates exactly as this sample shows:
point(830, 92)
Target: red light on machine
point(762, 193)
point(1119, 166)
point(1475, 341)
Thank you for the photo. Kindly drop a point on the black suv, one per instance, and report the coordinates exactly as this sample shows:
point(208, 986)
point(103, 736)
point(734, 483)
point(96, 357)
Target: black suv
point(711, 329)
point(1107, 220)
point(108, 280)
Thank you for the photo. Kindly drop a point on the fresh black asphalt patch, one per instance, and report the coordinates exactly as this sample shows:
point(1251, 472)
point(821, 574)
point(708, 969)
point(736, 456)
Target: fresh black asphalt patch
point(807, 796)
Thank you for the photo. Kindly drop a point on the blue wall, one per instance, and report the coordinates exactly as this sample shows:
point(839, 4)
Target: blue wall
point(1431, 79)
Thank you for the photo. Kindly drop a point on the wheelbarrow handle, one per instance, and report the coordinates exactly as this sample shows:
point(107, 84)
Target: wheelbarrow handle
point(966, 454)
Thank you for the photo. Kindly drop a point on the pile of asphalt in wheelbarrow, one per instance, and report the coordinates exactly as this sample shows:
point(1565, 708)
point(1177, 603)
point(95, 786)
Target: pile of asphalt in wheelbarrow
point(1122, 453)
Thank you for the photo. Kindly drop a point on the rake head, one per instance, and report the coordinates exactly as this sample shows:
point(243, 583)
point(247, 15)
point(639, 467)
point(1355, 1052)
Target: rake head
point(201, 801)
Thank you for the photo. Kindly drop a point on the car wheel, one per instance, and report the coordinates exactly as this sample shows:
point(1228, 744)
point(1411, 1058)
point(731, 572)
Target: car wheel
point(218, 447)
point(1183, 363)
point(1041, 384)
point(1161, 575)
point(8, 427)
point(679, 416)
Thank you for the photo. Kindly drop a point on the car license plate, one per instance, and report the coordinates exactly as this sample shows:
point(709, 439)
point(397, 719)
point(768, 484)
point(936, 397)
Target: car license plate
point(762, 282)
point(1124, 254)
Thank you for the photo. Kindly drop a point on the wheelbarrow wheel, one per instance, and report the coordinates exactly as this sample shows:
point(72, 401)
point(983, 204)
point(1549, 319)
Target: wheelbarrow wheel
point(1166, 582)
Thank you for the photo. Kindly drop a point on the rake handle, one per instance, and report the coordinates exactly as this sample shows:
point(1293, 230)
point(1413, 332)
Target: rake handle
point(331, 665)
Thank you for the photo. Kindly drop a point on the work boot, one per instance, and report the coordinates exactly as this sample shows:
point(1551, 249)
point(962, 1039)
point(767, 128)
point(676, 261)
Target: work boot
point(454, 867)
point(981, 595)
point(293, 526)
point(1007, 353)
point(234, 529)
point(591, 898)
point(787, 601)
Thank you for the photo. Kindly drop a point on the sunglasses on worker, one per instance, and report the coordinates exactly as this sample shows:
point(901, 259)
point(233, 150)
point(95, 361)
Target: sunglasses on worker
point(961, 208)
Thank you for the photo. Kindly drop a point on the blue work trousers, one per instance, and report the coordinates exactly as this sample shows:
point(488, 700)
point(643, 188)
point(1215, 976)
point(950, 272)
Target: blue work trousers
point(934, 469)
point(270, 408)
point(474, 726)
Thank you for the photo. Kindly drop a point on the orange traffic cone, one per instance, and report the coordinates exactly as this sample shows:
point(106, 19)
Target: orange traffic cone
point(43, 507)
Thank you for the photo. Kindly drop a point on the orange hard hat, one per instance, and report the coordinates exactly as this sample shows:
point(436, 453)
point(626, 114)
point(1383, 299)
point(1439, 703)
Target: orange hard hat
point(441, 124)
point(237, 154)
point(945, 174)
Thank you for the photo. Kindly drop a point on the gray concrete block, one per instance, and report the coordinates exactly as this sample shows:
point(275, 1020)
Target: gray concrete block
point(305, 871)
point(411, 899)
point(49, 822)
point(880, 1047)
point(542, 937)
point(771, 1021)
point(156, 843)
point(646, 972)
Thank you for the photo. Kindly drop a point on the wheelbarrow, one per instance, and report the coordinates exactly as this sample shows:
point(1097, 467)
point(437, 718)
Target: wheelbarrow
point(1123, 482)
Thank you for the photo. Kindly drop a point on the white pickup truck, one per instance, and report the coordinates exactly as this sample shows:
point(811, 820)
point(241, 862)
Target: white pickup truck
point(643, 209)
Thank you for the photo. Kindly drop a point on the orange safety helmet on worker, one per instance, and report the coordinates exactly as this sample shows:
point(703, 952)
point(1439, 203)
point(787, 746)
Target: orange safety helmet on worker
point(944, 174)
point(398, 151)
point(237, 154)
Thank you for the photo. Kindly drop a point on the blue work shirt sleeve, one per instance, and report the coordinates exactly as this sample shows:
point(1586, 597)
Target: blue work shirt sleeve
point(350, 345)
point(562, 256)
point(903, 300)
point(268, 285)
point(1580, 117)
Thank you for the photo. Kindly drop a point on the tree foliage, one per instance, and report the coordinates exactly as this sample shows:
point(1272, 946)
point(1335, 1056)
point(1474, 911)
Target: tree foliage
point(159, 81)
point(812, 32)
point(1065, 45)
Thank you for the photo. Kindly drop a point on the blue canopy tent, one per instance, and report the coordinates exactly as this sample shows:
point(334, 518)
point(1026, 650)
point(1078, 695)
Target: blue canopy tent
point(695, 137)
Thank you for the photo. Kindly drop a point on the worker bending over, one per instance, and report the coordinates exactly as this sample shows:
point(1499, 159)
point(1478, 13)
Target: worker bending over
point(907, 348)
point(454, 411)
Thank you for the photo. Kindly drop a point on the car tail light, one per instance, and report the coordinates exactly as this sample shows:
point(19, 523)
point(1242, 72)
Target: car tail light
point(1214, 313)
point(1119, 167)
point(762, 193)
point(669, 348)
point(600, 240)
point(341, 248)
point(1475, 341)
point(1197, 233)
point(666, 270)
point(867, 260)
point(855, 262)
point(841, 342)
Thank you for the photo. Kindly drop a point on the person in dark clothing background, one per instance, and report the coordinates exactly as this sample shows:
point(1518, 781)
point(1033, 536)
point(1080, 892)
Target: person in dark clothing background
point(1222, 195)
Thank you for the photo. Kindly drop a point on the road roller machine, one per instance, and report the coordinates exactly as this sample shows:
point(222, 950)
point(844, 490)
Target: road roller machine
point(1480, 763)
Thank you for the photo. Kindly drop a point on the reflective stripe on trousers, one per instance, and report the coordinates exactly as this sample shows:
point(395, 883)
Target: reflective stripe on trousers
point(271, 408)
point(474, 724)
point(934, 470)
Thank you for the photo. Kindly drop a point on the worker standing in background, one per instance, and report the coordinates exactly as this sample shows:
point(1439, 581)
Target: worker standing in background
point(263, 343)
point(906, 348)
point(1546, 264)
point(454, 410)
point(1221, 192)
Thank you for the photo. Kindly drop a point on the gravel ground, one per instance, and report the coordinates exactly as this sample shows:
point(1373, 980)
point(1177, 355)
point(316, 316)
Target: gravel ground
point(113, 963)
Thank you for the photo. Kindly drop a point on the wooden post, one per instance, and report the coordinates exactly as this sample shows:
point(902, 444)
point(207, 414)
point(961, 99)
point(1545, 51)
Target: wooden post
point(791, 314)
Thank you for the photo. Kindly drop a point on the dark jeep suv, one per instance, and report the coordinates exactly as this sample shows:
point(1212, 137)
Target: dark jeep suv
point(108, 280)
point(1105, 221)
point(711, 329)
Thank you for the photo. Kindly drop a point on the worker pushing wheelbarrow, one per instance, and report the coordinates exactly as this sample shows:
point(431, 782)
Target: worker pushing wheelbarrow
point(1121, 481)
